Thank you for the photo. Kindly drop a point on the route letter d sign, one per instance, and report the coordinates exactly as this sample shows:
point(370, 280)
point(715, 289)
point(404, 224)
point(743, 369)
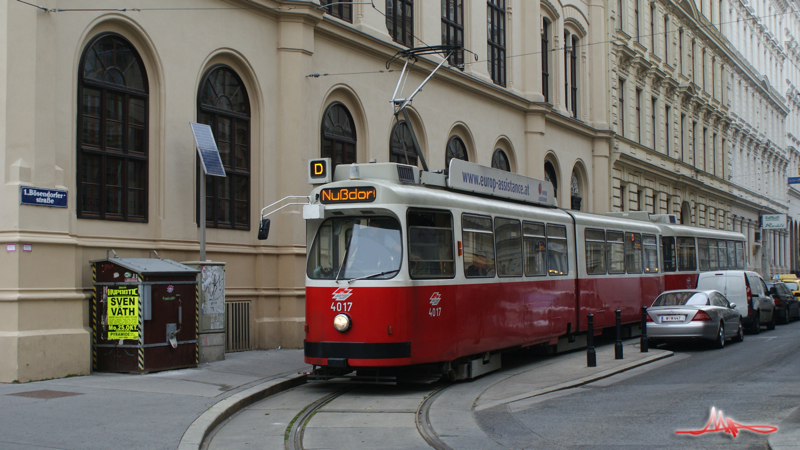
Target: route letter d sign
point(319, 171)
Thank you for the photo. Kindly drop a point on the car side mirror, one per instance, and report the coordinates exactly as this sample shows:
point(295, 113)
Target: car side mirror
point(773, 291)
point(733, 305)
point(263, 230)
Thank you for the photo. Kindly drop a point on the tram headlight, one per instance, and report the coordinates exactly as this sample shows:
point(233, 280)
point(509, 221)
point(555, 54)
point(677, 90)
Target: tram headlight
point(341, 322)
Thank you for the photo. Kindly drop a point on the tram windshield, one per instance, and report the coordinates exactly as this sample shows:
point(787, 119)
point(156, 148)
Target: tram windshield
point(356, 247)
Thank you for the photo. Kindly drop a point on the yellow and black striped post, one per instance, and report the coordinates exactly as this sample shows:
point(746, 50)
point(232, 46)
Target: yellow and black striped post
point(197, 322)
point(94, 317)
point(141, 325)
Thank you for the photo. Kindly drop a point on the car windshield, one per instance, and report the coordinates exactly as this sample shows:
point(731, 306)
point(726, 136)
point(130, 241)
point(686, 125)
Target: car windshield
point(681, 298)
point(356, 247)
point(791, 285)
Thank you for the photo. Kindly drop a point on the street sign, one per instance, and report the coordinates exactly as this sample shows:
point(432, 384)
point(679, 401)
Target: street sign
point(794, 180)
point(42, 197)
point(207, 148)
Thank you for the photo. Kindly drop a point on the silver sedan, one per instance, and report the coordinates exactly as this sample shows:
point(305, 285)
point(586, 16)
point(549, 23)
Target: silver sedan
point(691, 313)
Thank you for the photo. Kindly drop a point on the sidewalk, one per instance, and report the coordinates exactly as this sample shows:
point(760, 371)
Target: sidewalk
point(151, 411)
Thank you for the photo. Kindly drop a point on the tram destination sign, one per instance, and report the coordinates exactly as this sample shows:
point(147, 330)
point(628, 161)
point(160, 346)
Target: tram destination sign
point(355, 194)
point(470, 177)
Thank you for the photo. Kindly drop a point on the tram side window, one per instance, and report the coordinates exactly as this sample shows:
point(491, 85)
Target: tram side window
point(595, 252)
point(687, 259)
point(478, 246)
point(702, 253)
point(430, 244)
point(740, 255)
point(616, 251)
point(557, 260)
point(650, 253)
point(732, 256)
point(535, 248)
point(722, 246)
point(668, 253)
point(508, 235)
point(633, 252)
point(713, 263)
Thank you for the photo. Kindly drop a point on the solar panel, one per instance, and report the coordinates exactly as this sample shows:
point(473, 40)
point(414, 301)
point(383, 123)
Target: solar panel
point(207, 148)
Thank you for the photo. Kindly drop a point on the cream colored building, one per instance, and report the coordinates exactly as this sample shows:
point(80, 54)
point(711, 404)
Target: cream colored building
point(623, 105)
point(97, 102)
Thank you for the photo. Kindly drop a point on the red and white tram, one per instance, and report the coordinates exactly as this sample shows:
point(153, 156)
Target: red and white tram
point(686, 251)
point(413, 268)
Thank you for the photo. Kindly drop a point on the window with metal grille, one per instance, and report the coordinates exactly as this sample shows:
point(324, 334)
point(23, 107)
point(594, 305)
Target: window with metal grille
point(496, 10)
point(237, 318)
point(223, 105)
point(112, 166)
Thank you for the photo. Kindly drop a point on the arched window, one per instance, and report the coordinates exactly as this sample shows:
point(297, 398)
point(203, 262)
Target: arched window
point(550, 175)
point(500, 160)
point(338, 135)
point(223, 104)
point(575, 191)
point(401, 145)
point(455, 149)
point(112, 132)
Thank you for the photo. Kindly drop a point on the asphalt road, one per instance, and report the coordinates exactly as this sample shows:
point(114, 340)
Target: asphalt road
point(756, 382)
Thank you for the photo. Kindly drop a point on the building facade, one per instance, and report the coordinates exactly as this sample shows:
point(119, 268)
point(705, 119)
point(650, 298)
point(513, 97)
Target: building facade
point(622, 105)
point(763, 140)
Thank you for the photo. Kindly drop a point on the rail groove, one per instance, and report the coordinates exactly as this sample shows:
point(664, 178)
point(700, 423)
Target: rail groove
point(422, 419)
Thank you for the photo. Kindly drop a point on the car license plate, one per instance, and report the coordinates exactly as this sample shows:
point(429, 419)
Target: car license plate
point(673, 318)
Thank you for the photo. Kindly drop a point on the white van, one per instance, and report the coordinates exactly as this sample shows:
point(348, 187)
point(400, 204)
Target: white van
point(747, 290)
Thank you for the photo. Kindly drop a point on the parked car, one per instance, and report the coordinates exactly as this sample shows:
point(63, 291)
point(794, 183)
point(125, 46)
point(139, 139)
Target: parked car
point(787, 306)
point(747, 290)
point(791, 282)
point(691, 313)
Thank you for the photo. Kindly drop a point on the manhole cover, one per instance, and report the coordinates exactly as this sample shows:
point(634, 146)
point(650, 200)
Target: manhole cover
point(46, 394)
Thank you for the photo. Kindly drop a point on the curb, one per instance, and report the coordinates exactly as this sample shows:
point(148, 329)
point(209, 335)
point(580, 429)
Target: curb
point(574, 383)
point(199, 429)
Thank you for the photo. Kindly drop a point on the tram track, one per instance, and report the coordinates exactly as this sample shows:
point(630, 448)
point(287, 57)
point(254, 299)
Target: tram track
point(296, 430)
point(297, 427)
point(422, 419)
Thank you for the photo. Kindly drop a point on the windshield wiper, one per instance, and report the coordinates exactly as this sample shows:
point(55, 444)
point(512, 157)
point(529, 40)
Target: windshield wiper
point(373, 275)
point(344, 258)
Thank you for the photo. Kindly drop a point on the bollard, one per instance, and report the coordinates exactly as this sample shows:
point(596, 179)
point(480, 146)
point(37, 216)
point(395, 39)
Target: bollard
point(618, 344)
point(591, 355)
point(643, 341)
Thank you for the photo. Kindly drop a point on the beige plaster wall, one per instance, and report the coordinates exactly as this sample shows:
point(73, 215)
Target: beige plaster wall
point(44, 294)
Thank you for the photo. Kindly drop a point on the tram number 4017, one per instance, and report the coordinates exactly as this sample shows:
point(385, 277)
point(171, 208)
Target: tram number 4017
point(341, 306)
point(435, 312)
